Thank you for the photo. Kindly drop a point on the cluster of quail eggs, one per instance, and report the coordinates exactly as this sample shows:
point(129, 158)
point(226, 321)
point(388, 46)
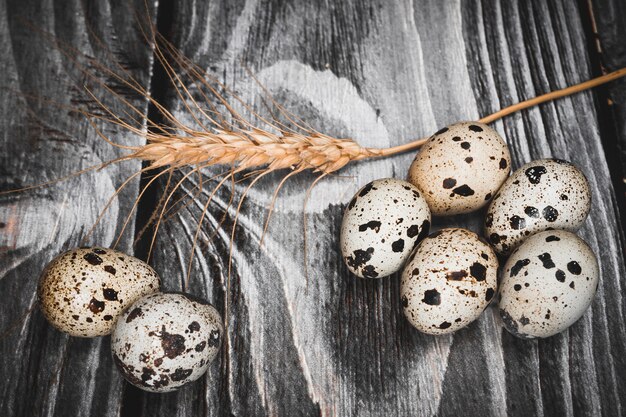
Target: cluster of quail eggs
point(450, 276)
point(159, 341)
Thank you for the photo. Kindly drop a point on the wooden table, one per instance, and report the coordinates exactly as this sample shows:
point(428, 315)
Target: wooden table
point(381, 72)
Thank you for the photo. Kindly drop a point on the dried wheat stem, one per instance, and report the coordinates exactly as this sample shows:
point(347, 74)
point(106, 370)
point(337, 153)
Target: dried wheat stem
point(553, 95)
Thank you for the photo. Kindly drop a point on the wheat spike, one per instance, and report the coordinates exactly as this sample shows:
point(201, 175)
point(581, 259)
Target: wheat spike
point(252, 149)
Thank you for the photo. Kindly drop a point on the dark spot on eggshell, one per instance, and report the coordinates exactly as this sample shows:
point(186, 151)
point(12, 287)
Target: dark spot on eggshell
point(369, 272)
point(92, 258)
point(534, 173)
point(495, 238)
point(445, 325)
point(517, 222)
point(469, 159)
point(366, 189)
point(487, 196)
point(109, 294)
point(442, 130)
point(456, 138)
point(489, 294)
point(550, 213)
point(478, 271)
point(552, 238)
point(571, 285)
point(574, 268)
point(134, 314)
point(518, 266)
point(475, 128)
point(532, 212)
point(413, 231)
point(147, 374)
point(180, 374)
point(517, 287)
point(524, 321)
point(449, 183)
point(96, 306)
point(424, 230)
point(173, 344)
point(456, 275)
point(503, 164)
point(415, 272)
point(432, 297)
point(398, 245)
point(373, 224)
point(109, 269)
point(200, 346)
point(546, 260)
point(108, 317)
point(214, 339)
point(484, 256)
point(464, 191)
point(404, 301)
point(99, 251)
point(352, 203)
point(360, 257)
point(560, 275)
point(194, 327)
point(465, 145)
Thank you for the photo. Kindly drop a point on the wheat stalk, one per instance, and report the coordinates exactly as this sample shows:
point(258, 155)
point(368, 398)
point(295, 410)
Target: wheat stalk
point(258, 148)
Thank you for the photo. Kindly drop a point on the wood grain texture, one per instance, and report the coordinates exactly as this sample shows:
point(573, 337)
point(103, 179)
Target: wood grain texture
point(379, 72)
point(44, 372)
point(608, 18)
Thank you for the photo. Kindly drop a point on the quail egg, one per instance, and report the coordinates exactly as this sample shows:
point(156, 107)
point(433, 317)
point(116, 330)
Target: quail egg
point(460, 168)
point(166, 340)
point(448, 281)
point(381, 225)
point(541, 195)
point(548, 283)
point(83, 291)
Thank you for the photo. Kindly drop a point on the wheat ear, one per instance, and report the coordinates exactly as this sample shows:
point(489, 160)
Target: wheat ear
point(255, 148)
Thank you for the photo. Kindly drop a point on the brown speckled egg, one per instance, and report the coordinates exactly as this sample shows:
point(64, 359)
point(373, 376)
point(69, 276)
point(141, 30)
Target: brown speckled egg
point(381, 226)
point(541, 195)
point(83, 291)
point(448, 281)
point(548, 283)
point(166, 340)
point(460, 168)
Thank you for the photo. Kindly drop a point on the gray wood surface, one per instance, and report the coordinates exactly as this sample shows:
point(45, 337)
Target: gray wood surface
point(377, 71)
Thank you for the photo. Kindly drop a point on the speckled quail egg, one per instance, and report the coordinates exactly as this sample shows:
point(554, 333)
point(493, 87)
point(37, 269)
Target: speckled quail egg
point(166, 340)
point(83, 291)
point(460, 168)
point(448, 281)
point(541, 195)
point(548, 283)
point(381, 225)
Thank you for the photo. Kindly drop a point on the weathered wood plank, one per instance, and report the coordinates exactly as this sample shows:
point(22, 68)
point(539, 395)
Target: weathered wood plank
point(608, 19)
point(382, 72)
point(43, 371)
